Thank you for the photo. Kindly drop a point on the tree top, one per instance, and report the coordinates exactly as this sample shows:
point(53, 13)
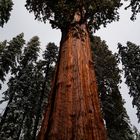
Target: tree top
point(60, 13)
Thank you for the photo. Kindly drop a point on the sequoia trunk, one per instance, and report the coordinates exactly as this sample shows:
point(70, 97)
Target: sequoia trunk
point(73, 112)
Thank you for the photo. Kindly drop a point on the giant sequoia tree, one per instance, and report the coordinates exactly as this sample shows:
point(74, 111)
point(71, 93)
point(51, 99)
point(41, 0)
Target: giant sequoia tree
point(73, 111)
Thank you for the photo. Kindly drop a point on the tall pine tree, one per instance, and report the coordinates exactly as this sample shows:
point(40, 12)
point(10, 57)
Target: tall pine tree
point(130, 58)
point(20, 94)
point(46, 66)
point(108, 77)
point(9, 55)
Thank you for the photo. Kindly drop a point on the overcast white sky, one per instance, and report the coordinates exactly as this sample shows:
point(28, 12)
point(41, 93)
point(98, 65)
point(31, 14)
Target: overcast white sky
point(122, 31)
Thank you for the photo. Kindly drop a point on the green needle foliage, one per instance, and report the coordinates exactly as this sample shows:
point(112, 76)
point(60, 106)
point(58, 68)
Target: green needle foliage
point(130, 58)
point(5, 9)
point(9, 55)
point(20, 94)
point(60, 13)
point(108, 79)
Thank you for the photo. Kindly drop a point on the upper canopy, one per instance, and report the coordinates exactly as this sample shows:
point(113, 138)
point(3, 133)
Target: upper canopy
point(60, 13)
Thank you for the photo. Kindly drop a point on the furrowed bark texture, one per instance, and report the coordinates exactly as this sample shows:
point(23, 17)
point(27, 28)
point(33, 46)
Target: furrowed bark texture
point(73, 112)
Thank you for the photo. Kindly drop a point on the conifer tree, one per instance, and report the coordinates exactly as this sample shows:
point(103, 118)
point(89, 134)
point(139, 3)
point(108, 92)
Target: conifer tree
point(74, 110)
point(31, 86)
point(46, 66)
point(21, 95)
point(9, 55)
point(108, 77)
point(130, 58)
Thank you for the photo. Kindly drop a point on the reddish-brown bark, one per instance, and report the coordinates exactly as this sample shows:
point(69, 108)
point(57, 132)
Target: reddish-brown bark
point(73, 112)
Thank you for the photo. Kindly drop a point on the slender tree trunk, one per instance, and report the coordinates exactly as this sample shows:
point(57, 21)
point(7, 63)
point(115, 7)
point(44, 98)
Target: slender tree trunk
point(73, 112)
point(39, 104)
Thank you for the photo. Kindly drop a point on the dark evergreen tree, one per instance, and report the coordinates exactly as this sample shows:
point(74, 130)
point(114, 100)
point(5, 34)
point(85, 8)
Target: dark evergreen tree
point(47, 66)
point(108, 77)
point(9, 55)
point(31, 85)
point(5, 10)
point(130, 58)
